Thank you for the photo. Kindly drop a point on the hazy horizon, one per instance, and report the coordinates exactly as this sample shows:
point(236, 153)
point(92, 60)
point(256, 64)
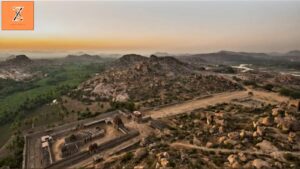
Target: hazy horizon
point(46, 55)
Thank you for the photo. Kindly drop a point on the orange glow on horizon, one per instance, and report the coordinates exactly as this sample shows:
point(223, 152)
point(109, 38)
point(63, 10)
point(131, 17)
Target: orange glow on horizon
point(69, 44)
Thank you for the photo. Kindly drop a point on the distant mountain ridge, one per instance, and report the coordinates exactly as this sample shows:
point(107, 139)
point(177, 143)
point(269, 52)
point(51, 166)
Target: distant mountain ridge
point(294, 53)
point(161, 54)
point(82, 58)
point(230, 57)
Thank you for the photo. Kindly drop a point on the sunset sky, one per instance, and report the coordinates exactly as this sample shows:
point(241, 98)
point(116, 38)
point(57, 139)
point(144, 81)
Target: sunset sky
point(175, 27)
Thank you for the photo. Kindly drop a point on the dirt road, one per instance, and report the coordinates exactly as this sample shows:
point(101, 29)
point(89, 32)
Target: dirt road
point(191, 146)
point(196, 104)
point(171, 110)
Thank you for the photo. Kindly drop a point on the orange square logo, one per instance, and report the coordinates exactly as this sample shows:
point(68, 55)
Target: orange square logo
point(17, 15)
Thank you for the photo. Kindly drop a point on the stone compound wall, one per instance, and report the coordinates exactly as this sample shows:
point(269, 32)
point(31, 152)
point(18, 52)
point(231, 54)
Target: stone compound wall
point(56, 132)
point(86, 154)
point(118, 140)
point(25, 153)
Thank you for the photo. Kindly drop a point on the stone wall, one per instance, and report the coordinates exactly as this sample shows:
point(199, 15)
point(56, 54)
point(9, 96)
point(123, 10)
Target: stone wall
point(69, 160)
point(25, 153)
point(118, 140)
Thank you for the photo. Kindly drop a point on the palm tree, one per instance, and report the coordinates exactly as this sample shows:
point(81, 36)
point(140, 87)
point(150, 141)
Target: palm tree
point(27, 121)
point(16, 125)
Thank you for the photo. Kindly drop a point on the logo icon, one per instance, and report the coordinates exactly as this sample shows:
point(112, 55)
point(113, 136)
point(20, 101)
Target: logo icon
point(17, 15)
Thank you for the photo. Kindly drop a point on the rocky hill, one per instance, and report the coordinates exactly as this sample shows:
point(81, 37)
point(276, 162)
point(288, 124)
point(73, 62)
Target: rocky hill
point(16, 61)
point(16, 68)
point(293, 55)
point(127, 60)
point(152, 81)
point(152, 65)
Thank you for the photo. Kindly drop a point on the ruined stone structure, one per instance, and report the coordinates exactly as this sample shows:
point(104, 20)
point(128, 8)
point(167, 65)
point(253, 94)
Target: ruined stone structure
point(95, 149)
point(74, 141)
point(117, 121)
point(157, 124)
point(69, 149)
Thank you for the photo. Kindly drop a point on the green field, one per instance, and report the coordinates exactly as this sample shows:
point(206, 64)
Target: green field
point(5, 131)
point(21, 100)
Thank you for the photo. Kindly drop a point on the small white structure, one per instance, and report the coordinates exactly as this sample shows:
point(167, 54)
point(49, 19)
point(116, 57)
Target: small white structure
point(46, 138)
point(45, 144)
point(54, 101)
point(137, 114)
